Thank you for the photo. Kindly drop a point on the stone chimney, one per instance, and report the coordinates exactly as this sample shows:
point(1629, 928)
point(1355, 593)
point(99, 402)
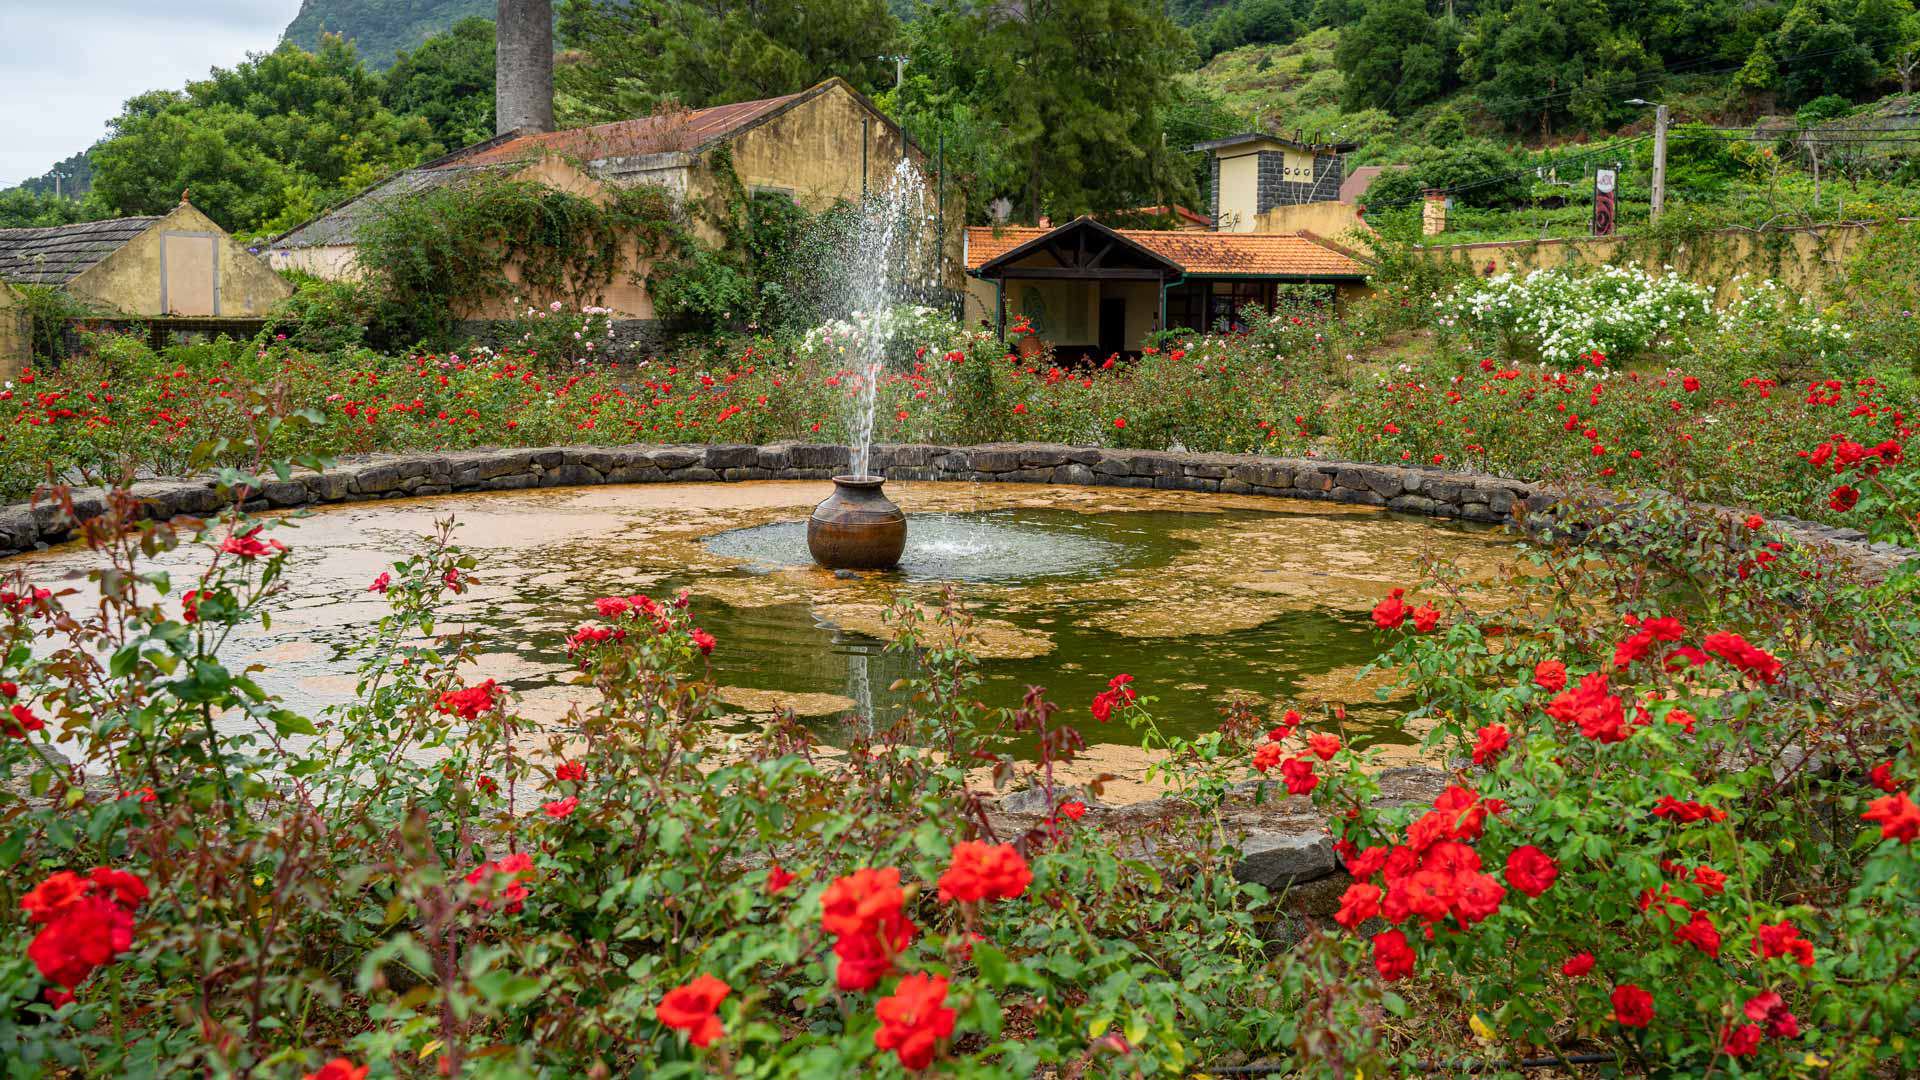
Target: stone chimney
point(523, 66)
point(1433, 212)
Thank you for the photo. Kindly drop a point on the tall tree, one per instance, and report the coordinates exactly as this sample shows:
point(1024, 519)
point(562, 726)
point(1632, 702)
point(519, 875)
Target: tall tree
point(1074, 90)
point(448, 82)
point(261, 146)
point(626, 57)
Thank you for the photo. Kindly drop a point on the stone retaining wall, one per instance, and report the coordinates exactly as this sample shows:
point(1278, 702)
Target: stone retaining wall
point(1416, 490)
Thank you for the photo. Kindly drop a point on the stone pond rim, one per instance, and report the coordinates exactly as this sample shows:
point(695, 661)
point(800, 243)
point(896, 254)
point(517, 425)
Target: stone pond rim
point(1407, 488)
point(857, 527)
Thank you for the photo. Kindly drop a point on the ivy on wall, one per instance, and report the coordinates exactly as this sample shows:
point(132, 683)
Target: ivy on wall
point(430, 256)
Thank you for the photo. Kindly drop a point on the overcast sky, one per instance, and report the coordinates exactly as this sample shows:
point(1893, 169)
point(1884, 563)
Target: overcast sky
point(67, 65)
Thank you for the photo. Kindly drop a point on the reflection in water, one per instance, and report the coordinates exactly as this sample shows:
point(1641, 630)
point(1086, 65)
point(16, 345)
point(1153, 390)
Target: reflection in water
point(1200, 597)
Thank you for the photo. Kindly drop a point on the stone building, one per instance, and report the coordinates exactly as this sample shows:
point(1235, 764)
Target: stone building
point(822, 146)
point(1255, 173)
point(172, 272)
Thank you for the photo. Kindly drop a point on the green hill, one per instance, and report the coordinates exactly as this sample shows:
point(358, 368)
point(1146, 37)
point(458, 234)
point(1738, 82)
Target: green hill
point(380, 28)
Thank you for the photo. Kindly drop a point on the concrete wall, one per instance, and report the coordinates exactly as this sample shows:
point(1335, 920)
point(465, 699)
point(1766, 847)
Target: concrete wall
point(1238, 187)
point(813, 152)
point(132, 281)
point(16, 345)
point(1810, 260)
point(1333, 220)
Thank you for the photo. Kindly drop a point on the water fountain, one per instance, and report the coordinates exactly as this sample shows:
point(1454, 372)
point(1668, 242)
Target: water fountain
point(858, 527)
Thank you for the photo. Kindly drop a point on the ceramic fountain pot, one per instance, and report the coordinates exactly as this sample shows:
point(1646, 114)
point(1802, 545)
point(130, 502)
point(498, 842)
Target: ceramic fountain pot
point(857, 527)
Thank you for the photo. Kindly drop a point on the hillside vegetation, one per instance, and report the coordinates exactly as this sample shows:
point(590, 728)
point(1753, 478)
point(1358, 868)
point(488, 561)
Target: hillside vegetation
point(381, 29)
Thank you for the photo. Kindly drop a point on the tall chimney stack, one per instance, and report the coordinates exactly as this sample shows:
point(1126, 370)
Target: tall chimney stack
point(523, 66)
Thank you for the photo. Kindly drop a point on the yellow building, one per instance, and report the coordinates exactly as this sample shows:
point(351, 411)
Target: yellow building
point(1258, 172)
point(1086, 289)
point(175, 271)
point(822, 146)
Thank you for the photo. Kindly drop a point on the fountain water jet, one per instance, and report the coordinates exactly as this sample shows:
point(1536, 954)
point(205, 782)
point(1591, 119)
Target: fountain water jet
point(857, 527)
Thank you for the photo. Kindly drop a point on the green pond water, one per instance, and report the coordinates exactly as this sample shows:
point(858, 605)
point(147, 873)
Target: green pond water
point(1198, 597)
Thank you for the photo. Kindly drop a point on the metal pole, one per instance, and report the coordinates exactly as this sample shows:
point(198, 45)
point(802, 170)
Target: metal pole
point(866, 126)
point(940, 203)
point(1659, 162)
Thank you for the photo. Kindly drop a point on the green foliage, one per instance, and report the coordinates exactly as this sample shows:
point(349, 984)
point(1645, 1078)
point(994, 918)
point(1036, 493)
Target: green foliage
point(1484, 174)
point(260, 147)
point(380, 29)
point(632, 56)
point(71, 178)
point(448, 82)
point(1075, 94)
point(21, 209)
point(439, 254)
point(50, 313)
point(1397, 56)
point(324, 316)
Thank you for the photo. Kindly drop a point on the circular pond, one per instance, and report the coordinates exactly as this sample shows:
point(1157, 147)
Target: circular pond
point(1200, 597)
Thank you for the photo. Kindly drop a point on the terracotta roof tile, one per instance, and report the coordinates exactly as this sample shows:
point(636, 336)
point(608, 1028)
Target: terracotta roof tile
point(657, 134)
point(1199, 253)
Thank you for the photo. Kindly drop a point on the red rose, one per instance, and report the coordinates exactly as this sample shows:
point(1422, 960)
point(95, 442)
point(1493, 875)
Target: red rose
point(1392, 957)
point(1550, 675)
point(1632, 1006)
point(1531, 870)
point(1782, 939)
point(914, 1020)
point(1298, 774)
point(703, 641)
point(981, 871)
point(1577, 965)
point(1737, 652)
point(1324, 746)
point(1266, 756)
point(1699, 932)
point(691, 1009)
point(339, 1069)
point(570, 770)
point(1768, 1008)
point(1391, 612)
point(1358, 904)
point(1489, 743)
point(778, 879)
point(1843, 498)
point(1897, 816)
point(1425, 618)
point(560, 808)
point(1741, 1041)
point(470, 702)
point(1881, 776)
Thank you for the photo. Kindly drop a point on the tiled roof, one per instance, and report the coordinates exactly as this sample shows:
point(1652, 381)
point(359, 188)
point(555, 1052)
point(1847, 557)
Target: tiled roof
point(1199, 253)
point(661, 133)
point(1360, 179)
point(57, 255)
point(341, 225)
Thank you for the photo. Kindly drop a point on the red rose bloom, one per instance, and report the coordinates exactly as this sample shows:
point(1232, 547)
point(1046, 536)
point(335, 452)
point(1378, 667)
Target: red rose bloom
point(1391, 612)
point(914, 1021)
point(1748, 658)
point(691, 1008)
point(570, 770)
point(1577, 965)
point(1881, 777)
point(1531, 870)
point(1267, 755)
point(1324, 746)
point(1298, 774)
point(1632, 1006)
point(470, 702)
point(1897, 816)
point(1768, 1008)
point(1550, 675)
point(1741, 1040)
point(339, 1069)
point(1782, 939)
point(984, 872)
point(1358, 904)
point(560, 808)
point(778, 879)
point(703, 641)
point(1425, 618)
point(1489, 743)
point(1699, 932)
point(1392, 956)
